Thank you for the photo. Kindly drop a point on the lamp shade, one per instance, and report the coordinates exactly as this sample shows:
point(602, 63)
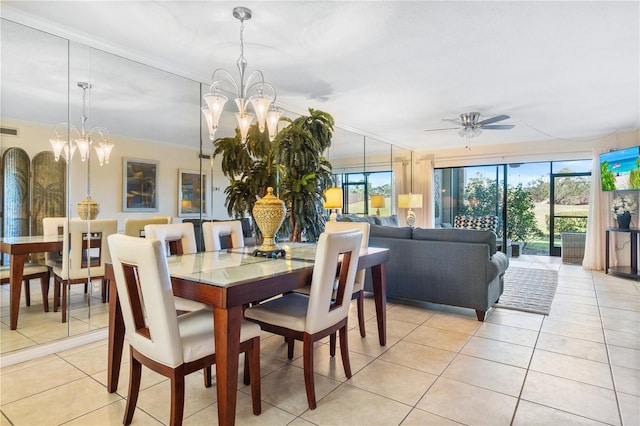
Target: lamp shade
point(377, 201)
point(410, 201)
point(334, 198)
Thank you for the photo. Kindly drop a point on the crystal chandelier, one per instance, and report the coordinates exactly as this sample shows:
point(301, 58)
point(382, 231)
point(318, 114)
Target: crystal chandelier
point(81, 139)
point(255, 90)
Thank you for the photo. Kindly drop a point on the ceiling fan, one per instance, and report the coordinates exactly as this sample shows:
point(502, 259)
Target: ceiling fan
point(471, 121)
point(469, 126)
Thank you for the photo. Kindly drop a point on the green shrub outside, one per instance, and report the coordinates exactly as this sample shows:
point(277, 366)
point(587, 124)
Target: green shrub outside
point(568, 224)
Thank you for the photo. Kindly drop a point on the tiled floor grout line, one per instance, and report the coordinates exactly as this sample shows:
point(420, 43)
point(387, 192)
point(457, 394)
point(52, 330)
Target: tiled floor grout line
point(606, 345)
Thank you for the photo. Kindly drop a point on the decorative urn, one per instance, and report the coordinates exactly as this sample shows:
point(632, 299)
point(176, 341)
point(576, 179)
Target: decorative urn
point(269, 213)
point(88, 209)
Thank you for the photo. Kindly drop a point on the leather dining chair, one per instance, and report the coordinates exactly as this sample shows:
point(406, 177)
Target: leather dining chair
point(177, 239)
point(135, 227)
point(213, 231)
point(358, 286)
point(170, 345)
point(84, 255)
point(31, 271)
point(53, 226)
point(312, 317)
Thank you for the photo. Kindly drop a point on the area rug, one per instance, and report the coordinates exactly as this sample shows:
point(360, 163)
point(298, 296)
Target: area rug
point(528, 290)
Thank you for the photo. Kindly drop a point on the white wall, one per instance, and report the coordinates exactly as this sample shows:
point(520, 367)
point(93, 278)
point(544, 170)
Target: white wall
point(106, 181)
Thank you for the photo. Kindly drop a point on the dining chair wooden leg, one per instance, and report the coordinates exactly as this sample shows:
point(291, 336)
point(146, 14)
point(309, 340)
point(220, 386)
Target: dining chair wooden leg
point(344, 351)
point(44, 286)
point(177, 397)
point(252, 360)
point(309, 383)
point(332, 344)
point(360, 305)
point(27, 292)
point(290, 344)
point(65, 294)
point(105, 292)
point(56, 295)
point(207, 377)
point(135, 374)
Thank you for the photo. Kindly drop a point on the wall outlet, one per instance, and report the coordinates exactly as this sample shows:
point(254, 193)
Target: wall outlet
point(95, 287)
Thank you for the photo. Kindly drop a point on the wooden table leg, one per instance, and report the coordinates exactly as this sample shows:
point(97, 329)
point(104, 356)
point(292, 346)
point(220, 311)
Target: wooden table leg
point(227, 340)
point(116, 337)
point(379, 275)
point(15, 287)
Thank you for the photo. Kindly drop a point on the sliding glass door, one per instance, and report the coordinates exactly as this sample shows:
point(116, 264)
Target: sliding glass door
point(535, 202)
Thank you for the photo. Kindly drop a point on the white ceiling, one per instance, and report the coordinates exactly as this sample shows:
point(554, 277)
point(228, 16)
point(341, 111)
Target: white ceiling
point(391, 69)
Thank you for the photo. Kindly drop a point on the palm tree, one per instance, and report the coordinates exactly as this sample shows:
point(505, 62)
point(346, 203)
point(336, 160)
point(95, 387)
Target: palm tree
point(292, 163)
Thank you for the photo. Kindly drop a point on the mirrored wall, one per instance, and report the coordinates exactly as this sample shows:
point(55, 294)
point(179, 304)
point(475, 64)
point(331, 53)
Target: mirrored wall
point(160, 165)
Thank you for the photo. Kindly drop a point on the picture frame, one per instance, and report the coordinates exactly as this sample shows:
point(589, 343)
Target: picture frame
point(139, 185)
point(193, 197)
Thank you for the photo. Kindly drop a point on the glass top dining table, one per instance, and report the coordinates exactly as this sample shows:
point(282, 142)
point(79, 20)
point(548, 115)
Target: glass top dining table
point(228, 280)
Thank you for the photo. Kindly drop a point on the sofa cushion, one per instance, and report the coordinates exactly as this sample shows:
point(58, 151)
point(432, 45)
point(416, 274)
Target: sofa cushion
point(457, 235)
point(355, 218)
point(485, 223)
point(387, 220)
point(390, 232)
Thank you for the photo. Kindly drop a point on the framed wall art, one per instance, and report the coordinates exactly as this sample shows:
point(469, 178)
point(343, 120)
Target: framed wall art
point(140, 185)
point(193, 197)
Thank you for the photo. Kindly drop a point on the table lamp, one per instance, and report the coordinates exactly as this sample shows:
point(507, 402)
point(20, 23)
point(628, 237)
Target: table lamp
point(410, 201)
point(377, 201)
point(333, 201)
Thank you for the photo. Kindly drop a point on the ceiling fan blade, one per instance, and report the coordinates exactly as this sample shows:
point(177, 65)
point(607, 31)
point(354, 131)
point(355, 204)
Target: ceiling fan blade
point(437, 130)
point(456, 122)
point(499, 127)
point(493, 119)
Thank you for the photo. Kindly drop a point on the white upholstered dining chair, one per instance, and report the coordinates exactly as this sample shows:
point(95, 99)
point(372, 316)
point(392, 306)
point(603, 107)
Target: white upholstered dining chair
point(134, 227)
point(212, 231)
point(177, 239)
point(312, 317)
point(84, 255)
point(358, 286)
point(170, 345)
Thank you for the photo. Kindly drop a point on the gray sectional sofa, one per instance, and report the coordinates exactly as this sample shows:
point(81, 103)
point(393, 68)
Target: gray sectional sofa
point(458, 267)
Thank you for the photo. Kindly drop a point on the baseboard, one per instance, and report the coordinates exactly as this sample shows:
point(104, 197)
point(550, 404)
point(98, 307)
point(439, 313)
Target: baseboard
point(45, 349)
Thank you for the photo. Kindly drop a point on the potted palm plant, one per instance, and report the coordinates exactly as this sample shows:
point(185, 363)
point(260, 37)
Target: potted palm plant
point(292, 163)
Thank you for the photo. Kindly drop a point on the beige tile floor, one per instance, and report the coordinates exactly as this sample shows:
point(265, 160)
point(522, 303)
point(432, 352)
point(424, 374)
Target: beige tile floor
point(579, 365)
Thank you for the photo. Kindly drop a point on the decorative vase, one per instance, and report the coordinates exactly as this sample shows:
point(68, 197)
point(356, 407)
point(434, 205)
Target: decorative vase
point(269, 212)
point(88, 209)
point(624, 220)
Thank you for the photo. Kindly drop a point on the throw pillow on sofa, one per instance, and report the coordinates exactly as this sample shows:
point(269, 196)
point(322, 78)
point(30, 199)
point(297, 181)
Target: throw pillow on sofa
point(387, 220)
point(485, 223)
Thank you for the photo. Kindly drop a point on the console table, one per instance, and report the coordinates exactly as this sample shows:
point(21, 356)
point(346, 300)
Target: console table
point(625, 271)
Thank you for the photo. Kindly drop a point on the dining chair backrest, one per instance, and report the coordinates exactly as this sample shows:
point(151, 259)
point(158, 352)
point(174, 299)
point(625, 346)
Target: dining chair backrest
point(348, 226)
point(85, 249)
point(212, 231)
point(323, 310)
point(177, 238)
point(53, 226)
point(146, 297)
point(135, 227)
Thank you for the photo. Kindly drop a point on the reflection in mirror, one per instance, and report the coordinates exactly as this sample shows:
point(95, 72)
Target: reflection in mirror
point(401, 164)
point(143, 109)
point(34, 98)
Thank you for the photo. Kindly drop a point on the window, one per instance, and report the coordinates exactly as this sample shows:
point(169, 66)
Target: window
point(358, 188)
